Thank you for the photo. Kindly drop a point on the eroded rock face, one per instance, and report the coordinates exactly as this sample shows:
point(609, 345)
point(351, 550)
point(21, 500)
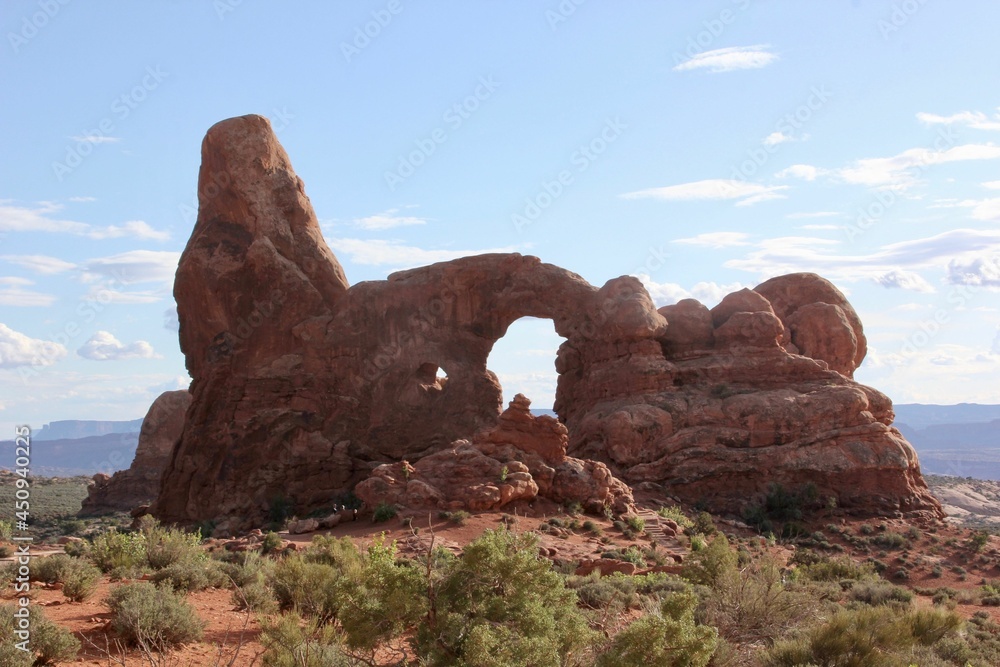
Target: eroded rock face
point(520, 458)
point(140, 483)
point(304, 387)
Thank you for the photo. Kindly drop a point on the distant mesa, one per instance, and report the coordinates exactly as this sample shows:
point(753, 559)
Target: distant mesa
point(72, 429)
point(306, 389)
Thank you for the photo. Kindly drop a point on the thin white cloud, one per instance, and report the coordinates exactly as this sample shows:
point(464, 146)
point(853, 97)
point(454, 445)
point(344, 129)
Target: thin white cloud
point(379, 252)
point(40, 219)
point(82, 199)
point(777, 137)
point(95, 139)
point(133, 228)
point(17, 349)
point(819, 228)
point(900, 171)
point(908, 280)
point(806, 172)
point(992, 185)
point(716, 188)
point(975, 119)
point(13, 293)
point(103, 346)
point(39, 263)
point(388, 220)
point(730, 59)
point(708, 293)
point(717, 240)
point(995, 348)
point(134, 266)
point(815, 214)
point(959, 249)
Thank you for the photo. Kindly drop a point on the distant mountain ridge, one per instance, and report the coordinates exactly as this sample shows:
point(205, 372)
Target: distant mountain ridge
point(919, 416)
point(72, 429)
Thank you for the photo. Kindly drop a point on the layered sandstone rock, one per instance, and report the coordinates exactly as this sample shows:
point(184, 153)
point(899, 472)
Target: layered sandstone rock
point(520, 458)
point(304, 387)
point(139, 484)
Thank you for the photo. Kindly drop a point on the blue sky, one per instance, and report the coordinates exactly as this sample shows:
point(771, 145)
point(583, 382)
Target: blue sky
point(701, 146)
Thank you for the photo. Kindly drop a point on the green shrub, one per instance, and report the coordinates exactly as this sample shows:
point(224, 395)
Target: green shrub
point(193, 573)
point(670, 638)
point(271, 542)
point(629, 555)
point(889, 540)
point(752, 606)
point(80, 580)
point(49, 643)
point(249, 578)
point(711, 563)
point(866, 637)
point(291, 641)
point(879, 592)
point(836, 569)
point(592, 528)
point(154, 619)
point(979, 540)
point(704, 524)
point(166, 546)
point(6, 530)
point(119, 554)
point(50, 569)
point(597, 592)
point(676, 514)
point(458, 517)
point(500, 604)
point(636, 523)
point(384, 512)
point(307, 588)
point(255, 596)
point(77, 549)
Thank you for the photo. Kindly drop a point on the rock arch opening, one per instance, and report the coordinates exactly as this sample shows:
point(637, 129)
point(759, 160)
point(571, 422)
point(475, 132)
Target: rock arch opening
point(524, 361)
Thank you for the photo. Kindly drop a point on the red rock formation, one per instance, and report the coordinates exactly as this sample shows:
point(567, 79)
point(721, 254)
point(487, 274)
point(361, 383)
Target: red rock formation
point(303, 387)
point(139, 484)
point(520, 458)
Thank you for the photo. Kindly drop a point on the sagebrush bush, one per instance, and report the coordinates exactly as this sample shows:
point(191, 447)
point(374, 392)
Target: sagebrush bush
point(384, 512)
point(192, 573)
point(80, 580)
point(500, 604)
point(50, 569)
point(709, 564)
point(49, 643)
point(676, 514)
point(152, 618)
point(670, 638)
point(836, 569)
point(119, 554)
point(292, 641)
point(880, 593)
point(311, 589)
point(166, 546)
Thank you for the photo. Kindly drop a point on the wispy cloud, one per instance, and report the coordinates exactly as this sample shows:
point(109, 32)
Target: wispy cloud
point(82, 199)
point(814, 214)
point(39, 263)
point(40, 219)
point(709, 293)
point(17, 349)
point(717, 239)
point(103, 346)
point(979, 271)
point(13, 293)
point(955, 251)
point(898, 171)
point(95, 139)
point(730, 58)
point(111, 276)
point(806, 172)
point(777, 137)
point(977, 120)
point(395, 254)
point(907, 280)
point(992, 185)
point(717, 188)
point(388, 220)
